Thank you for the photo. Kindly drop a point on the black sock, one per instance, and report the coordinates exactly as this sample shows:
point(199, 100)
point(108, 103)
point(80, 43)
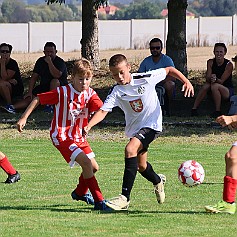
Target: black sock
point(150, 174)
point(129, 176)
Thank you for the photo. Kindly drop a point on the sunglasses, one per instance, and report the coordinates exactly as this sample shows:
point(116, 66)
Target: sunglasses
point(4, 51)
point(155, 47)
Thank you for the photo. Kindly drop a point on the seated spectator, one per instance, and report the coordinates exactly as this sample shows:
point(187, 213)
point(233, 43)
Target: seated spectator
point(218, 81)
point(10, 78)
point(159, 60)
point(51, 71)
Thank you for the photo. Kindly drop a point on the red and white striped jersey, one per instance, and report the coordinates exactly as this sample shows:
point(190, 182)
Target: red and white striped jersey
point(71, 113)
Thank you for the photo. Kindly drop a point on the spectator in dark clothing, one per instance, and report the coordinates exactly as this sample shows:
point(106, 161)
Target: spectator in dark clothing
point(10, 78)
point(51, 71)
point(218, 81)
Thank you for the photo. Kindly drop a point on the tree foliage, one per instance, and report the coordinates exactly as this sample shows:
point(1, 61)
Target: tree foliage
point(97, 3)
point(215, 7)
point(139, 10)
point(14, 11)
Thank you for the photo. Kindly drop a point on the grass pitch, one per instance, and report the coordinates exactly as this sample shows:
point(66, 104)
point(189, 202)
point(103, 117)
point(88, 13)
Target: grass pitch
point(40, 203)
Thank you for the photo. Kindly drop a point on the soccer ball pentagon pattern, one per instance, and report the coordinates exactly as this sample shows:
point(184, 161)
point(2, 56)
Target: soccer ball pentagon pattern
point(191, 173)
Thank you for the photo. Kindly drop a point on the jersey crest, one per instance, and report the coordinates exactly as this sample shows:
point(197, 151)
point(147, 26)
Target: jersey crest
point(141, 90)
point(136, 105)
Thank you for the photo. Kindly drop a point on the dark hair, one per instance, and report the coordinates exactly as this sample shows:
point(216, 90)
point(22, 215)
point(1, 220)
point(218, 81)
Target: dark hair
point(7, 45)
point(50, 44)
point(117, 59)
point(154, 40)
point(220, 45)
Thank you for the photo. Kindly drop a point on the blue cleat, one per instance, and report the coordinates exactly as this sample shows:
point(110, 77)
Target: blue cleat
point(101, 206)
point(86, 198)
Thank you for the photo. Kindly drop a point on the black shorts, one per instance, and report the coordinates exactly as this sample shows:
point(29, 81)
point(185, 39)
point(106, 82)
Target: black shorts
point(40, 89)
point(146, 136)
point(17, 90)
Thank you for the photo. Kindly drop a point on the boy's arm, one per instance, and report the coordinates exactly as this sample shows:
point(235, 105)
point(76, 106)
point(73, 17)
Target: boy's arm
point(187, 86)
point(98, 117)
point(22, 121)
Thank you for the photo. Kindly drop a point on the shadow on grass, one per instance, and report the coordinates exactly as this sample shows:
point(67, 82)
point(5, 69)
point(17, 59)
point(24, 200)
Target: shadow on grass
point(52, 208)
point(59, 208)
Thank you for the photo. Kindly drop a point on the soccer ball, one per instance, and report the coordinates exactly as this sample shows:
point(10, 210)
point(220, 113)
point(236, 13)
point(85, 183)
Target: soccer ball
point(191, 173)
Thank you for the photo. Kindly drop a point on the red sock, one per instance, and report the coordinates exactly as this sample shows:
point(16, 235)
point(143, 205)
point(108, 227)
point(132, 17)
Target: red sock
point(229, 190)
point(6, 166)
point(94, 188)
point(81, 188)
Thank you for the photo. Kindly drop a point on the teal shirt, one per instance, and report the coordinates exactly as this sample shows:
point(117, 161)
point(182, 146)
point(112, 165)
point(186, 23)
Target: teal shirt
point(148, 64)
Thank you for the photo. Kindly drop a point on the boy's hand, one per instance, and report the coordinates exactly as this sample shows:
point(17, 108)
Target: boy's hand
point(85, 131)
point(226, 121)
point(21, 124)
point(188, 89)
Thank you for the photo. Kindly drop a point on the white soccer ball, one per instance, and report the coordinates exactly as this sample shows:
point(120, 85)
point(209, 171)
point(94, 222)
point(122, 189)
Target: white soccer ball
point(191, 173)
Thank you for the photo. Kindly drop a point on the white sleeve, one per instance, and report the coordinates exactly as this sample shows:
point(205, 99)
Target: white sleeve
point(156, 76)
point(109, 103)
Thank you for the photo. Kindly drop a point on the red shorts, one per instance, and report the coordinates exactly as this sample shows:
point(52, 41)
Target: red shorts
point(71, 149)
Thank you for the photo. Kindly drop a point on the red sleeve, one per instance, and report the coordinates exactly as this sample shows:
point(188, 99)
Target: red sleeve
point(49, 98)
point(94, 103)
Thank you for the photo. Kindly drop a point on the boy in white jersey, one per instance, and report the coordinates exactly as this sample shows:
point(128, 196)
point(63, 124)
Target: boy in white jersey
point(73, 105)
point(135, 94)
point(227, 204)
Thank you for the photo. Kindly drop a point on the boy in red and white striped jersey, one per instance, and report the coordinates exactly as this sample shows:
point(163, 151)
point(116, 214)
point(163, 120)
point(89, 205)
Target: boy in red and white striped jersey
point(74, 103)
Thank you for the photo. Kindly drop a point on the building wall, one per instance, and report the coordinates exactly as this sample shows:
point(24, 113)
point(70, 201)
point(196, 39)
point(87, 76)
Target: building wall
point(127, 34)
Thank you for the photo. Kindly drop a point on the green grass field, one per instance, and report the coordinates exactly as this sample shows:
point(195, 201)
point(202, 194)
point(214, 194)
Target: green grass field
point(40, 203)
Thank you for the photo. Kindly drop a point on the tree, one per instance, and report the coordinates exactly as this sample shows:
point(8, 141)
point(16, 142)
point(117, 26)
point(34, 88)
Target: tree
point(89, 41)
point(143, 10)
point(14, 11)
point(215, 7)
point(176, 38)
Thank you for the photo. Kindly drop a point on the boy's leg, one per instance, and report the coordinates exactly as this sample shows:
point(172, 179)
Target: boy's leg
point(146, 136)
point(7, 166)
point(88, 176)
point(227, 205)
point(130, 170)
point(122, 201)
point(129, 176)
point(13, 175)
point(158, 182)
point(73, 153)
point(91, 182)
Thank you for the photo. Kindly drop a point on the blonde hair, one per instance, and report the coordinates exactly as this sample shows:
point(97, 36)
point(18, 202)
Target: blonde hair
point(82, 67)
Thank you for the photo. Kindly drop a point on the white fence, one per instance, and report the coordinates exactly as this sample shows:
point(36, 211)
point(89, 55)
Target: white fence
point(127, 34)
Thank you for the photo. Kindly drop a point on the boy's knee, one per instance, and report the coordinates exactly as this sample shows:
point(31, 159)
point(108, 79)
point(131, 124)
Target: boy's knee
point(231, 157)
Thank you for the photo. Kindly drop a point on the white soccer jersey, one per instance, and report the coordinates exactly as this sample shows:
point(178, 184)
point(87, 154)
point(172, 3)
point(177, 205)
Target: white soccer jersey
point(72, 109)
point(139, 101)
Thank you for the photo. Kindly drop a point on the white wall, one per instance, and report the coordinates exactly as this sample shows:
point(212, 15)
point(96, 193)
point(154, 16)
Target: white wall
point(16, 35)
point(31, 37)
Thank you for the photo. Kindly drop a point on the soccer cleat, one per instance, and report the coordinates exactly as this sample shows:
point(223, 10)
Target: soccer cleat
point(222, 207)
point(9, 108)
point(13, 178)
point(119, 203)
point(159, 189)
point(86, 198)
point(163, 178)
point(101, 206)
